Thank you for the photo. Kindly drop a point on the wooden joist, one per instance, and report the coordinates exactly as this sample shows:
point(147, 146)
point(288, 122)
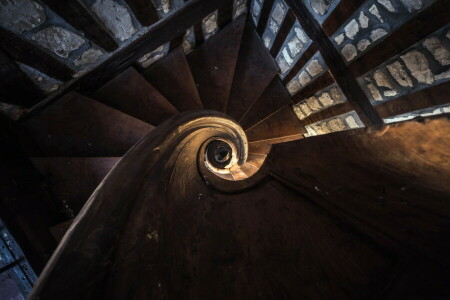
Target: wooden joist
point(15, 86)
point(433, 96)
point(144, 10)
point(425, 23)
point(264, 16)
point(77, 15)
point(348, 84)
point(23, 51)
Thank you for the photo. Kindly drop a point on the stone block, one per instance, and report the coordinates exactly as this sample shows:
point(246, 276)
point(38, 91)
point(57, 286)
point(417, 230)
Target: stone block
point(418, 65)
point(21, 15)
point(58, 40)
point(400, 75)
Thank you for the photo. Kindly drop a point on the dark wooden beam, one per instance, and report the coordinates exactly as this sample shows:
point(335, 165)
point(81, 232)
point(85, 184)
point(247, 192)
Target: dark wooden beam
point(433, 96)
point(282, 34)
point(318, 84)
point(327, 113)
point(282, 124)
point(425, 23)
point(340, 14)
point(176, 42)
point(307, 55)
point(348, 84)
point(15, 86)
point(144, 10)
point(264, 16)
point(225, 14)
point(160, 33)
point(77, 15)
point(198, 34)
point(32, 55)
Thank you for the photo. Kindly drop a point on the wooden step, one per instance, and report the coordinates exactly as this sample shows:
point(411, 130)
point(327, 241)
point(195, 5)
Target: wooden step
point(213, 65)
point(255, 70)
point(73, 179)
point(132, 94)
point(79, 126)
point(281, 126)
point(274, 98)
point(172, 77)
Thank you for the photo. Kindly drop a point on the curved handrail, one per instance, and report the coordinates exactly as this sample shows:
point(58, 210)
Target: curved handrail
point(130, 200)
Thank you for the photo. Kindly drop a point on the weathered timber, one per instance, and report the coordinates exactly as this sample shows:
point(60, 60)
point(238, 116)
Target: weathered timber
point(132, 94)
point(172, 77)
point(213, 65)
point(255, 70)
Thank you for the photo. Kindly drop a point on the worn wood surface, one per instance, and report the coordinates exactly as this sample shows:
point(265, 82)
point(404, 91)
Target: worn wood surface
point(213, 65)
point(73, 179)
point(79, 126)
point(274, 98)
point(132, 94)
point(281, 124)
point(391, 182)
point(254, 71)
point(79, 16)
point(172, 77)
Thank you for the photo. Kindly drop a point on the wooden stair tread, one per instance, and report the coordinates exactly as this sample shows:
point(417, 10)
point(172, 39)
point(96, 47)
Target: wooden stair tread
point(76, 125)
point(283, 125)
point(255, 70)
point(274, 98)
point(172, 77)
point(213, 65)
point(73, 179)
point(132, 94)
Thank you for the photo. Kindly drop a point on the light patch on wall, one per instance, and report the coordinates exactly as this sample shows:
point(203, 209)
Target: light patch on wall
point(115, 17)
point(21, 15)
point(153, 56)
point(58, 40)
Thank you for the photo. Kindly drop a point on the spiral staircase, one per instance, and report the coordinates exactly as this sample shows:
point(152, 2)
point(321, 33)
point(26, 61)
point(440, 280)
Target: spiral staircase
point(192, 179)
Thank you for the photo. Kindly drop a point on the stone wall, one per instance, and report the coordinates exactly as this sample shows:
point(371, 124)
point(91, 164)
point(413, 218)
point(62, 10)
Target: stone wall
point(36, 22)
